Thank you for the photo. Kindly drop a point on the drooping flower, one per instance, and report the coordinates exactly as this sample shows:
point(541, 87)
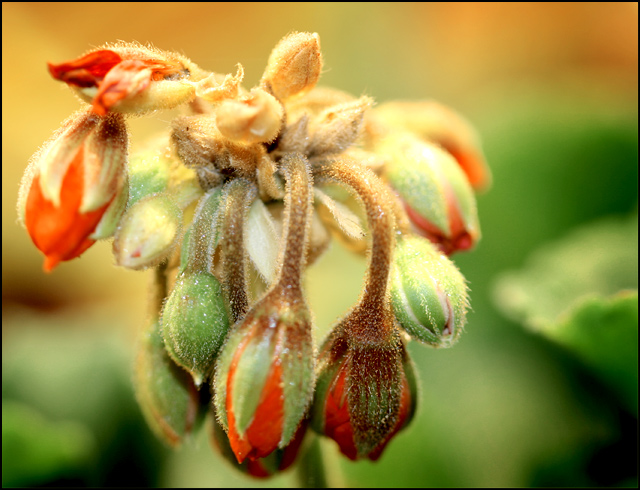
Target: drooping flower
point(74, 182)
point(130, 78)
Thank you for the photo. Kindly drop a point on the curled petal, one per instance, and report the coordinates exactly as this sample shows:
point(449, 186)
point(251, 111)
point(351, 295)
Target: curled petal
point(86, 71)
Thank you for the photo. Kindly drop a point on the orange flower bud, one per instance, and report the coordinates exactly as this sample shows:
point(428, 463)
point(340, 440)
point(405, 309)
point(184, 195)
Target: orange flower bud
point(130, 78)
point(76, 177)
point(364, 394)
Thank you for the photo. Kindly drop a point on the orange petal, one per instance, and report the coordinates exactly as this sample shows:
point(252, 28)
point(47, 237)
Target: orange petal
point(61, 233)
point(337, 424)
point(128, 78)
point(86, 71)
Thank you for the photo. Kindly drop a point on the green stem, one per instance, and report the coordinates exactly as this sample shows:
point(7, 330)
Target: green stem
point(310, 468)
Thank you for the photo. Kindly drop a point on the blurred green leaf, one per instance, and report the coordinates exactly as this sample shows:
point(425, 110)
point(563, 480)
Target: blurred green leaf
point(570, 292)
point(37, 450)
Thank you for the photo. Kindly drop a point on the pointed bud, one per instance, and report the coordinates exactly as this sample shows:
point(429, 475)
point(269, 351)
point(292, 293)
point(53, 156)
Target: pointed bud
point(255, 118)
point(294, 65)
point(428, 292)
point(366, 392)
point(166, 393)
point(439, 124)
point(194, 317)
point(264, 375)
point(71, 183)
point(148, 232)
point(338, 127)
point(130, 78)
point(437, 196)
point(277, 461)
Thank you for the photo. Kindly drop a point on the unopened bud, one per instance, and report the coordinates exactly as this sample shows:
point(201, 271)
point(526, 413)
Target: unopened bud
point(294, 65)
point(195, 322)
point(148, 232)
point(256, 118)
point(439, 124)
point(338, 127)
point(438, 198)
point(428, 292)
point(165, 392)
point(71, 183)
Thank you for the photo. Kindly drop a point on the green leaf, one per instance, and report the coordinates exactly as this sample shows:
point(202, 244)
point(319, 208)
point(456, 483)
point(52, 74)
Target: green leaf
point(581, 292)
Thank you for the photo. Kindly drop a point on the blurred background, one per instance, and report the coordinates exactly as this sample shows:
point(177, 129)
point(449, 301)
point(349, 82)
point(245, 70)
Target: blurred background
point(534, 394)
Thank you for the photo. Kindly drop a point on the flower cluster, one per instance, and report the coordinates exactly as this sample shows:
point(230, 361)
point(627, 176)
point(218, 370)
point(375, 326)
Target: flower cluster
point(230, 206)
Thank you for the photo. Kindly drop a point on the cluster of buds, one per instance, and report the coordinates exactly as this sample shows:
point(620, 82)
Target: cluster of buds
point(229, 208)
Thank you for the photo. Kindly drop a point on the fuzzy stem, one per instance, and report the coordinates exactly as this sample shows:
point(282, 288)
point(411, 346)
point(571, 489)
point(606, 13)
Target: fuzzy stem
point(297, 204)
point(238, 195)
point(381, 224)
point(203, 231)
point(310, 468)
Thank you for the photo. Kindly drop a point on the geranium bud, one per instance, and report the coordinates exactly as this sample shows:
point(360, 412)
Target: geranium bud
point(437, 196)
point(365, 393)
point(264, 377)
point(428, 293)
point(166, 393)
point(130, 78)
point(195, 322)
point(439, 124)
point(194, 317)
point(148, 232)
point(255, 118)
point(278, 460)
point(338, 127)
point(71, 183)
point(294, 65)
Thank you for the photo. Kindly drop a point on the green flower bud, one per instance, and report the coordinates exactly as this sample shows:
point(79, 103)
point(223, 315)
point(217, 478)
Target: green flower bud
point(428, 293)
point(166, 393)
point(195, 322)
point(148, 232)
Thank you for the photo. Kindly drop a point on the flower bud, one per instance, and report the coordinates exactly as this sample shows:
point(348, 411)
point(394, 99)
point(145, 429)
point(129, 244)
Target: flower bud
point(71, 183)
point(194, 317)
point(338, 127)
point(428, 293)
point(264, 375)
point(195, 322)
point(166, 393)
point(366, 392)
point(437, 196)
point(439, 124)
point(130, 78)
point(294, 65)
point(278, 460)
point(148, 232)
point(256, 118)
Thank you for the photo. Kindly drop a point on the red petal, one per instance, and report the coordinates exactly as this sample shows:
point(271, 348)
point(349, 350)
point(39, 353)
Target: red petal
point(337, 423)
point(126, 79)
point(472, 165)
point(61, 233)
point(86, 71)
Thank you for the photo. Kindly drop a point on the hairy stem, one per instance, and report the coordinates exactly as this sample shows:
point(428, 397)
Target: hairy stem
point(381, 224)
point(311, 471)
point(239, 193)
point(297, 219)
